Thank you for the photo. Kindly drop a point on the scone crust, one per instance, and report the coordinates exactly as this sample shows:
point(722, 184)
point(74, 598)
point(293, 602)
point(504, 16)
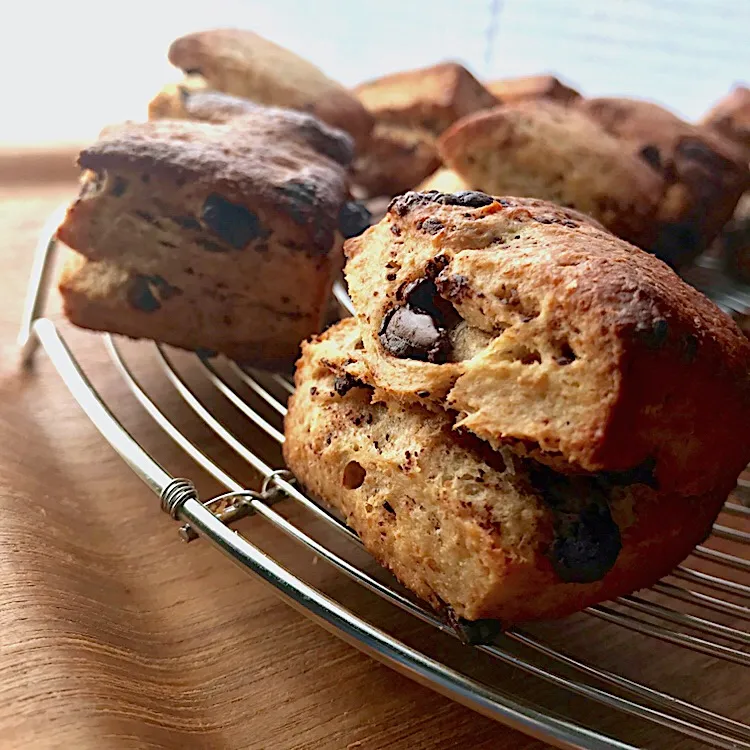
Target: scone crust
point(544, 150)
point(532, 87)
point(245, 64)
point(396, 159)
point(267, 160)
point(654, 371)
point(457, 523)
point(431, 98)
point(730, 117)
point(704, 174)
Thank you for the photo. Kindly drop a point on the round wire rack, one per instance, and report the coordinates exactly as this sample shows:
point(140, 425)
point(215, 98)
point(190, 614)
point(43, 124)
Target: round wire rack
point(554, 681)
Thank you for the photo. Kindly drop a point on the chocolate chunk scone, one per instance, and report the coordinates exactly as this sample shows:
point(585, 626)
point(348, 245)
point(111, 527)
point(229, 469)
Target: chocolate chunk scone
point(430, 99)
point(704, 175)
point(483, 533)
point(526, 88)
point(544, 150)
point(540, 330)
point(240, 221)
point(730, 118)
point(397, 158)
point(192, 99)
point(245, 64)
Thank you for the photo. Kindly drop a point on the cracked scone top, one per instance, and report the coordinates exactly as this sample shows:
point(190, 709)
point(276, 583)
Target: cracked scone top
point(539, 329)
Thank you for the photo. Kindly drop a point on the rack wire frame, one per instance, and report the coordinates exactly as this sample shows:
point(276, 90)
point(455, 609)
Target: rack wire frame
point(210, 520)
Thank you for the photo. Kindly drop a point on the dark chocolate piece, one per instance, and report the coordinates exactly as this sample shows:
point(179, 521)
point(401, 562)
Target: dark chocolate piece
point(141, 296)
point(587, 540)
point(474, 632)
point(408, 333)
point(677, 242)
point(354, 218)
point(234, 224)
point(651, 155)
point(342, 384)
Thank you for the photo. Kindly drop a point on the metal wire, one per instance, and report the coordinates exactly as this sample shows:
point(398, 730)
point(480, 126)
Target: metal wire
point(698, 631)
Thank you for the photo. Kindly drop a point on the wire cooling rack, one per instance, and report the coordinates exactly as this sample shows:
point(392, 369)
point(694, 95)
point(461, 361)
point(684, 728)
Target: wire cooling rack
point(550, 681)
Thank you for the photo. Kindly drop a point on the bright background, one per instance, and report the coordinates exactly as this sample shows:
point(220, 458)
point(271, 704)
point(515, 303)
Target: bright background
point(71, 66)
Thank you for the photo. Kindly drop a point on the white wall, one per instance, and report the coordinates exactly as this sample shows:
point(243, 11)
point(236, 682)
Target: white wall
point(71, 66)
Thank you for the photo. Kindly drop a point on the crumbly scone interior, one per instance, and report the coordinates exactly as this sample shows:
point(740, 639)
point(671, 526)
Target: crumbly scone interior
point(508, 357)
point(162, 226)
point(467, 516)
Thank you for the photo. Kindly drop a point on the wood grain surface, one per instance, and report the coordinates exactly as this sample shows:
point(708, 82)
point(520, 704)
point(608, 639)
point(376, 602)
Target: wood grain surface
point(115, 634)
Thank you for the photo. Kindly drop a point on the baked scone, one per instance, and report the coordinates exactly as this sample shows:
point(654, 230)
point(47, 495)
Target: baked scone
point(540, 330)
point(544, 150)
point(396, 159)
point(242, 221)
point(444, 180)
point(427, 98)
point(191, 100)
point(483, 533)
point(509, 90)
point(704, 174)
point(170, 101)
point(730, 117)
point(245, 64)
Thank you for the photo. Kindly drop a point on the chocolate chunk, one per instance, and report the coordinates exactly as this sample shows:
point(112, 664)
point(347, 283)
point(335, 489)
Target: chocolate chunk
point(342, 384)
point(118, 187)
point(334, 144)
point(474, 632)
point(689, 348)
point(651, 155)
point(354, 218)
point(234, 224)
point(141, 296)
point(389, 508)
point(454, 287)
point(204, 353)
point(163, 287)
point(587, 540)
point(677, 242)
point(469, 198)
point(408, 333)
point(586, 544)
point(301, 197)
point(641, 474)
point(402, 204)
point(653, 335)
point(431, 226)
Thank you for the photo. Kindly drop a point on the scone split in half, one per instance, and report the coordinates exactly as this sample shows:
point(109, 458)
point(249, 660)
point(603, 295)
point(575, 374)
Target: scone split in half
point(484, 533)
point(536, 329)
point(210, 236)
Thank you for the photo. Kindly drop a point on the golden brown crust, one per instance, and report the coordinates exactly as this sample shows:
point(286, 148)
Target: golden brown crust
point(544, 150)
point(548, 87)
point(704, 175)
point(268, 159)
point(245, 64)
point(429, 98)
point(396, 158)
point(457, 523)
point(730, 118)
point(242, 220)
point(587, 350)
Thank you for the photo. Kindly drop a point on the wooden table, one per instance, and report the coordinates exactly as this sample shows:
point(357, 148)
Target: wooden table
point(117, 635)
